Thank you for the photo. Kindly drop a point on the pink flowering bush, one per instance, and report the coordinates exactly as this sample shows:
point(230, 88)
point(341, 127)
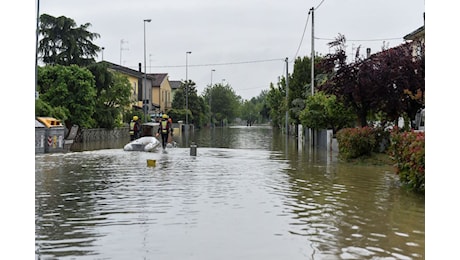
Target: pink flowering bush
point(356, 142)
point(407, 150)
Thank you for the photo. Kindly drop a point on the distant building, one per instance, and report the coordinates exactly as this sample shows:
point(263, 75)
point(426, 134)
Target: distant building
point(175, 85)
point(417, 40)
point(161, 90)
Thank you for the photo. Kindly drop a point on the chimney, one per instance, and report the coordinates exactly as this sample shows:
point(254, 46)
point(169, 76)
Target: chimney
point(140, 67)
point(368, 52)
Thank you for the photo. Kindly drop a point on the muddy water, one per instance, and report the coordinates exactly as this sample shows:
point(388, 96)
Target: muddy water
point(248, 194)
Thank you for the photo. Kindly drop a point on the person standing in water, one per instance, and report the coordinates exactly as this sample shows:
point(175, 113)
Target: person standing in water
point(165, 129)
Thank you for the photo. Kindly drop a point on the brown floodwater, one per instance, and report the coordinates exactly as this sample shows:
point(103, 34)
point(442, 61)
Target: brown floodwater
point(249, 193)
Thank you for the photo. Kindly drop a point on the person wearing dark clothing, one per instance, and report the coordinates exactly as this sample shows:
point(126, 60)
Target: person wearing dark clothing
point(135, 128)
point(165, 129)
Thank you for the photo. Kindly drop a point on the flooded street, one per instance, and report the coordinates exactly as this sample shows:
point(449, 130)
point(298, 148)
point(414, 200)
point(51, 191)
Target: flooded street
point(248, 194)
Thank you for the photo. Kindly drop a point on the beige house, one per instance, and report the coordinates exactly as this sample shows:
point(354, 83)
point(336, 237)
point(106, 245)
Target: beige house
point(417, 40)
point(135, 78)
point(157, 94)
point(161, 92)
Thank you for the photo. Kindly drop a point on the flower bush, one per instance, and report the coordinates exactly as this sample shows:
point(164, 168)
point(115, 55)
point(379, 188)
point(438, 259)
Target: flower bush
point(356, 142)
point(407, 150)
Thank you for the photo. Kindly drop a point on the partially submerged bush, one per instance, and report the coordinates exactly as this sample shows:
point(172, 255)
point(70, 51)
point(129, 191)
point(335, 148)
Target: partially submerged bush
point(356, 142)
point(407, 150)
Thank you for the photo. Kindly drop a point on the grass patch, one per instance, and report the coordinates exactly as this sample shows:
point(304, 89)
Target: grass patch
point(379, 159)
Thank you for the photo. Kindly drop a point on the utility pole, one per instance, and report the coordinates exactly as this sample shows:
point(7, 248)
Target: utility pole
point(287, 95)
point(36, 48)
point(312, 10)
point(210, 99)
point(146, 100)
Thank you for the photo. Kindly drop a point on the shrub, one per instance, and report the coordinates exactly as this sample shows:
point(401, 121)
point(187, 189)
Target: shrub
point(407, 150)
point(356, 142)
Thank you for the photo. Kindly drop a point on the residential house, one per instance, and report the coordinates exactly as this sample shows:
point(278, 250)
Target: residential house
point(417, 40)
point(156, 98)
point(161, 93)
point(175, 85)
point(137, 78)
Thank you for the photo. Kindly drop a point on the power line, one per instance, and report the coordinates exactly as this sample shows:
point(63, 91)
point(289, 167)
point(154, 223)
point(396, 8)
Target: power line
point(216, 64)
point(303, 34)
point(361, 40)
point(319, 5)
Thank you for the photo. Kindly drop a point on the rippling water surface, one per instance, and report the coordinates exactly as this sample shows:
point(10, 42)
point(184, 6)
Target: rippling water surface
point(248, 194)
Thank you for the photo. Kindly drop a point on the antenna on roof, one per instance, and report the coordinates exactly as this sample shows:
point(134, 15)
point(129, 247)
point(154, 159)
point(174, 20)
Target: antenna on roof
point(122, 49)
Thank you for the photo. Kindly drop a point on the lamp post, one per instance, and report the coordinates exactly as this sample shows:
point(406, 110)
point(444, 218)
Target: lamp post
point(210, 98)
point(186, 88)
point(145, 100)
point(102, 52)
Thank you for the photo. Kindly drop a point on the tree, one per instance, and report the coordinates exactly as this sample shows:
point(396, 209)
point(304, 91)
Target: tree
point(325, 111)
point(44, 109)
point(224, 102)
point(390, 83)
point(113, 92)
point(276, 101)
point(73, 89)
point(300, 85)
point(262, 106)
point(196, 106)
point(64, 43)
point(248, 111)
point(401, 82)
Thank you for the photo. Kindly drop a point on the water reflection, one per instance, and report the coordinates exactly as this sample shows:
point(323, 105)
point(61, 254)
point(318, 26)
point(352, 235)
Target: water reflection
point(250, 193)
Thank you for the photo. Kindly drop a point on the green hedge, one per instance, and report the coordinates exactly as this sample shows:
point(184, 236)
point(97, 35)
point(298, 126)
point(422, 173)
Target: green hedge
point(407, 150)
point(356, 142)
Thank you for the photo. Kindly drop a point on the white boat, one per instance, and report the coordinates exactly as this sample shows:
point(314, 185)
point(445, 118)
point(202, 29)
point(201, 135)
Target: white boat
point(146, 144)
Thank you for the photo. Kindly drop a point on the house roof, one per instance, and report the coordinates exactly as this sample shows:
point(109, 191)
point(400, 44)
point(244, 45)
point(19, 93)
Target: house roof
point(157, 78)
point(125, 70)
point(175, 84)
point(419, 33)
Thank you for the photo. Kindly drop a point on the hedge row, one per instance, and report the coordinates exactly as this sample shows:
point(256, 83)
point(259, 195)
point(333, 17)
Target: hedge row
point(407, 149)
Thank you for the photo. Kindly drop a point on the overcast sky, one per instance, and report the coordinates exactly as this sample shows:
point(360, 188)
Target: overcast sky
point(245, 41)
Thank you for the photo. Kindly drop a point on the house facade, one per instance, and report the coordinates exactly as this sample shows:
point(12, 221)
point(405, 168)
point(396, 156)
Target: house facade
point(155, 98)
point(417, 40)
point(161, 93)
point(135, 78)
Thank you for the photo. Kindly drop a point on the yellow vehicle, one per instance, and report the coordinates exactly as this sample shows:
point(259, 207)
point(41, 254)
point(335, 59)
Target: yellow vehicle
point(50, 122)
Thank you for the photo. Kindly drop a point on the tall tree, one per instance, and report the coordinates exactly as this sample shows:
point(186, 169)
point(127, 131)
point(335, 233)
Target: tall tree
point(276, 101)
point(249, 110)
point(391, 82)
point(72, 88)
point(300, 85)
point(196, 105)
point(113, 92)
point(324, 111)
point(224, 102)
point(64, 43)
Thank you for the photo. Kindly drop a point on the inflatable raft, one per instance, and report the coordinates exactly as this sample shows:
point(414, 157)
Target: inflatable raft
point(146, 144)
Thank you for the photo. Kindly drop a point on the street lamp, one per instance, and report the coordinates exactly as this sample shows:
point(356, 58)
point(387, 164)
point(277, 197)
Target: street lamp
point(186, 88)
point(103, 52)
point(213, 70)
point(145, 100)
point(210, 97)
